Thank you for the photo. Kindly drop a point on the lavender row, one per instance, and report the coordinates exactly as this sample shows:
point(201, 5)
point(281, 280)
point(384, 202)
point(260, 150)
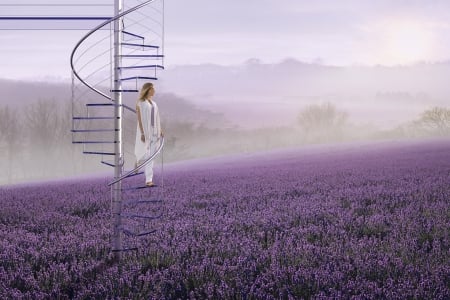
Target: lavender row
point(370, 222)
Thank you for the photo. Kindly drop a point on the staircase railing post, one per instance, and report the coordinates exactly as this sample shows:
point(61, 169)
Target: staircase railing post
point(118, 146)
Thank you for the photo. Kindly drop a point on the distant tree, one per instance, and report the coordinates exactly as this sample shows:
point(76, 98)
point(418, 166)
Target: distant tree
point(41, 124)
point(10, 137)
point(322, 122)
point(64, 121)
point(68, 153)
point(435, 121)
point(181, 139)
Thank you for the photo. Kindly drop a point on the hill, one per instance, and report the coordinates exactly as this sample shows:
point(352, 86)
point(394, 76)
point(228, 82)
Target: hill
point(256, 94)
point(20, 94)
point(274, 93)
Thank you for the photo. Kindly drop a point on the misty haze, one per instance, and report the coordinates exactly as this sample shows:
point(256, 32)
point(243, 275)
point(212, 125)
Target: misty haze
point(210, 110)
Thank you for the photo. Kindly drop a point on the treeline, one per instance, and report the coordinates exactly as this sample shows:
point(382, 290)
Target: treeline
point(36, 139)
point(35, 142)
point(325, 123)
point(318, 123)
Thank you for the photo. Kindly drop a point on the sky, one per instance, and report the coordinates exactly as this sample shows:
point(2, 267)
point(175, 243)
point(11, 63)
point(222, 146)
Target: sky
point(346, 32)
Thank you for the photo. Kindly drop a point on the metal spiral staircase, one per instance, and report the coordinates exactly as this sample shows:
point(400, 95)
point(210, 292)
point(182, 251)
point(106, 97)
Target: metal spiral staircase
point(109, 64)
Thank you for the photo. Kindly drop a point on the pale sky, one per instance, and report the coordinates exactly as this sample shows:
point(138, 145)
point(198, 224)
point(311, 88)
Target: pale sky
point(345, 32)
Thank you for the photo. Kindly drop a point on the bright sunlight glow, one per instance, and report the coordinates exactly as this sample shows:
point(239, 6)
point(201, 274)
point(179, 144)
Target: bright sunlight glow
point(405, 43)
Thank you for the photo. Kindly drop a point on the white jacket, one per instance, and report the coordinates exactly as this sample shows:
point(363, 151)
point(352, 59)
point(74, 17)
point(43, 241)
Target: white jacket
point(151, 133)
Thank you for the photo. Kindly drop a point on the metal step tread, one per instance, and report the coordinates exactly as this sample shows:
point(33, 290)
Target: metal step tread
point(134, 174)
point(124, 91)
point(95, 118)
point(58, 18)
point(135, 188)
point(141, 55)
point(108, 163)
point(139, 187)
point(133, 216)
point(140, 45)
point(132, 34)
point(135, 202)
point(94, 130)
point(98, 153)
point(125, 249)
point(142, 67)
point(100, 104)
point(138, 77)
point(130, 232)
point(94, 142)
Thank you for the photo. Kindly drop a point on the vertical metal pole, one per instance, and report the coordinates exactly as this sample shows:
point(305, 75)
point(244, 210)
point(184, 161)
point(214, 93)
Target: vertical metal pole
point(163, 35)
point(118, 146)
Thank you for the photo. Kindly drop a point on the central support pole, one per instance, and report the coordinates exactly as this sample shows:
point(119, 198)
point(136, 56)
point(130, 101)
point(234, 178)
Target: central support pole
point(117, 245)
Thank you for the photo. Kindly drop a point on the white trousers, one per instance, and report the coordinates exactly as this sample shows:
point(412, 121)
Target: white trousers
point(149, 172)
point(148, 169)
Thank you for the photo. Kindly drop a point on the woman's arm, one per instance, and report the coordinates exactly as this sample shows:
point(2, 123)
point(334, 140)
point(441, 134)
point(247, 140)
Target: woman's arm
point(158, 122)
point(138, 113)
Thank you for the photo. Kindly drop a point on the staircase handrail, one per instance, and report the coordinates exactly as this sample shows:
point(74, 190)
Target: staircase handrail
point(143, 164)
point(89, 34)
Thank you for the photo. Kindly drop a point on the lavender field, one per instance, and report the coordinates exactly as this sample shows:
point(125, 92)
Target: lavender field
point(367, 221)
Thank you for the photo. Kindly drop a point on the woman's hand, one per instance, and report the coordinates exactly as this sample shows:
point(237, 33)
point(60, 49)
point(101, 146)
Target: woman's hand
point(143, 138)
point(162, 133)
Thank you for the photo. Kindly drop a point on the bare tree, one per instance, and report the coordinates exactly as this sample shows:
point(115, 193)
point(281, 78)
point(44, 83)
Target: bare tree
point(436, 121)
point(67, 154)
point(322, 122)
point(41, 123)
point(10, 137)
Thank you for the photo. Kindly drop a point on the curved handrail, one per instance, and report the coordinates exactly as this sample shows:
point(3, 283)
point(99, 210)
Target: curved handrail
point(89, 34)
point(146, 162)
point(74, 71)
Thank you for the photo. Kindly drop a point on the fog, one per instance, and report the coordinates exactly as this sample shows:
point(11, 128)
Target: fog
point(384, 96)
point(210, 110)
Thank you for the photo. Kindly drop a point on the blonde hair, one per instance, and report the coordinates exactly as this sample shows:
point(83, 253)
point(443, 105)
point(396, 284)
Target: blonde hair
point(144, 90)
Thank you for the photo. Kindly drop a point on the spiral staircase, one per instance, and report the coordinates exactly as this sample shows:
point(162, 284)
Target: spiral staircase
point(109, 64)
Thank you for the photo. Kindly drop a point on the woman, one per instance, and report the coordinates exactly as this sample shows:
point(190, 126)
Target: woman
point(148, 129)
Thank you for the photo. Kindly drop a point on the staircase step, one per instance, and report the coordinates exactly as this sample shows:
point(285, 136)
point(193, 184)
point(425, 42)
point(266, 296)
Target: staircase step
point(124, 91)
point(142, 233)
point(94, 130)
point(100, 104)
point(135, 202)
point(139, 187)
point(133, 35)
point(140, 45)
point(138, 77)
point(142, 67)
point(133, 233)
point(152, 157)
point(134, 174)
point(98, 153)
point(134, 188)
point(142, 55)
point(94, 142)
point(125, 249)
point(136, 216)
point(95, 118)
point(108, 163)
